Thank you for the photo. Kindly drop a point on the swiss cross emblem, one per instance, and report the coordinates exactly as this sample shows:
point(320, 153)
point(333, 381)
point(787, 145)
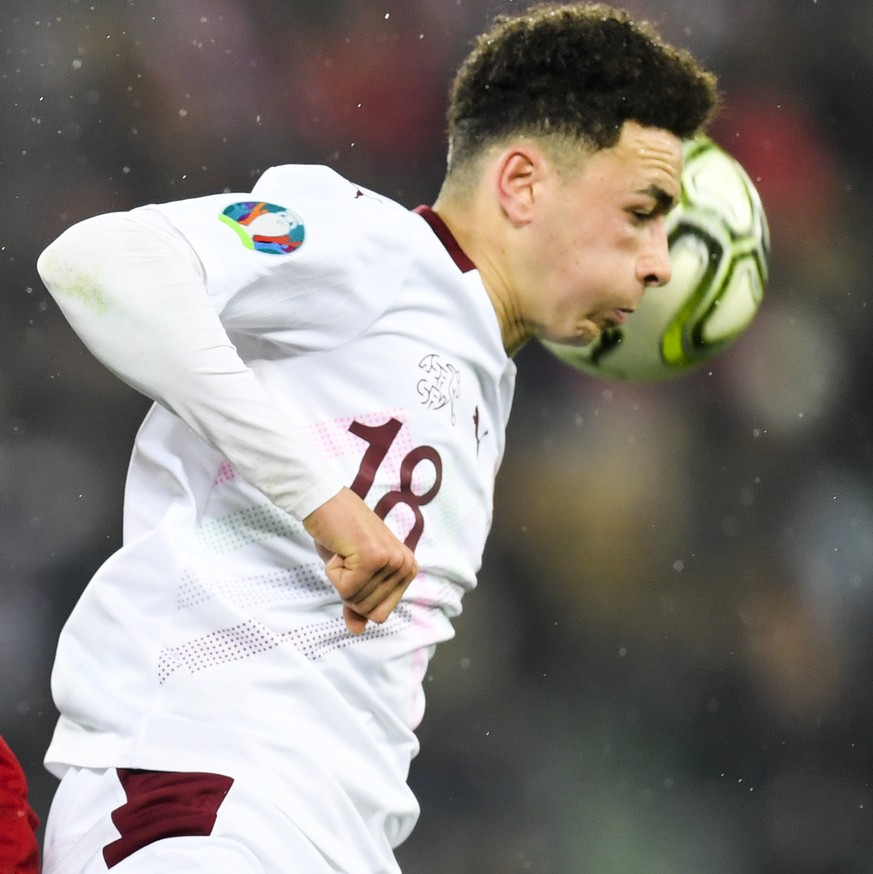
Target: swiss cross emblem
point(440, 386)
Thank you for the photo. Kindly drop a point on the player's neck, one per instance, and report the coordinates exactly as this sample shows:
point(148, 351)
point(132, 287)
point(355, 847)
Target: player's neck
point(479, 237)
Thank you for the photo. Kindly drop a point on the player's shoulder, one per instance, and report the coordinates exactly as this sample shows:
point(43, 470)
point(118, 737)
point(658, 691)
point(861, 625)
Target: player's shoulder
point(314, 189)
point(331, 206)
point(335, 229)
point(317, 185)
point(320, 195)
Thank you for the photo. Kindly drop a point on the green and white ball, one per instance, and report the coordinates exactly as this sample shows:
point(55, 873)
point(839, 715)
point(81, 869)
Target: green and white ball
point(719, 246)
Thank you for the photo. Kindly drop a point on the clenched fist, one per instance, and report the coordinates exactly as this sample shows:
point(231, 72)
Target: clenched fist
point(366, 563)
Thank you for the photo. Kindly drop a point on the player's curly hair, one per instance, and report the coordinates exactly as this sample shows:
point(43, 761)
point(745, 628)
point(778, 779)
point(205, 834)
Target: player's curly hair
point(578, 71)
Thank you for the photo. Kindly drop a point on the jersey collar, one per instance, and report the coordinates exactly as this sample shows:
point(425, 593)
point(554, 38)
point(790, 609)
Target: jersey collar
point(439, 227)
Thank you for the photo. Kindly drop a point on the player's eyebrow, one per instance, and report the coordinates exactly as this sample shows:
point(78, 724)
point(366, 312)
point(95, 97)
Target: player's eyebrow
point(665, 201)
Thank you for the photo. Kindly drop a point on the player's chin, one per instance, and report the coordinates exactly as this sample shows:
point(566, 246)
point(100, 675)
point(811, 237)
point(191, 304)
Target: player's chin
point(580, 334)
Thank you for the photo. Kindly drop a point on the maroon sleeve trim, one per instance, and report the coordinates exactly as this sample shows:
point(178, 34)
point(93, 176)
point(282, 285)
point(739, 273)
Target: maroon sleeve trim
point(164, 805)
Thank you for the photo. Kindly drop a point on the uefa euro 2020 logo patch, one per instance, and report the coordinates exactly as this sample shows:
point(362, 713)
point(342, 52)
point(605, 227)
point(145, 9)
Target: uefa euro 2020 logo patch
point(265, 227)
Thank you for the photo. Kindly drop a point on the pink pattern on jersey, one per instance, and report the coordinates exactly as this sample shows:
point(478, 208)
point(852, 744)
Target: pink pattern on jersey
point(422, 612)
point(334, 440)
point(225, 472)
point(251, 638)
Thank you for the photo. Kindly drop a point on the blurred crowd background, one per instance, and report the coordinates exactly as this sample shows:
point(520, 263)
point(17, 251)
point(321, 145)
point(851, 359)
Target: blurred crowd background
point(667, 665)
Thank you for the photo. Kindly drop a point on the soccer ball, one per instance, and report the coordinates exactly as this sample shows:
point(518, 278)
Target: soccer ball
point(719, 246)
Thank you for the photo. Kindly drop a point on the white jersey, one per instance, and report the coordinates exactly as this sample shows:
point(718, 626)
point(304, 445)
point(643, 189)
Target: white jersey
point(212, 640)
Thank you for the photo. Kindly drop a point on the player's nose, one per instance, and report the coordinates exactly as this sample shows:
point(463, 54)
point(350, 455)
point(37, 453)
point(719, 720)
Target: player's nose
point(654, 268)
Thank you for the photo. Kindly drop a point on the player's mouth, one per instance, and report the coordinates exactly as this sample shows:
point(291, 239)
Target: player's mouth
point(617, 316)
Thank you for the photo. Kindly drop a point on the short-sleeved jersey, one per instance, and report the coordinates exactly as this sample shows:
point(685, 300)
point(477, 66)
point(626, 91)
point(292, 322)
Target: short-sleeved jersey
point(212, 639)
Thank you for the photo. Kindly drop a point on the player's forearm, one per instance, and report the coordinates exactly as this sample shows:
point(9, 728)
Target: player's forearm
point(136, 296)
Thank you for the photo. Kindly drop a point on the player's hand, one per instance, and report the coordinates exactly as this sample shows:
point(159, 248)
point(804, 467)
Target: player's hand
point(366, 563)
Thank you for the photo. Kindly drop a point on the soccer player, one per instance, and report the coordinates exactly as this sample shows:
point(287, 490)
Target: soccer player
point(309, 497)
point(19, 851)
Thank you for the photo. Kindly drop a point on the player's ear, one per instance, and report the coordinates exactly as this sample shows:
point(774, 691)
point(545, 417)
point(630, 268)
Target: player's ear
point(518, 173)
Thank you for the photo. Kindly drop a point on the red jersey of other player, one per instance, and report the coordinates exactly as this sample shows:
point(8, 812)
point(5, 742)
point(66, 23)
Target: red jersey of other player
point(19, 853)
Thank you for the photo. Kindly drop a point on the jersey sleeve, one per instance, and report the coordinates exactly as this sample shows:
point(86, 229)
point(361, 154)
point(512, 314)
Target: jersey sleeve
point(307, 260)
point(134, 292)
